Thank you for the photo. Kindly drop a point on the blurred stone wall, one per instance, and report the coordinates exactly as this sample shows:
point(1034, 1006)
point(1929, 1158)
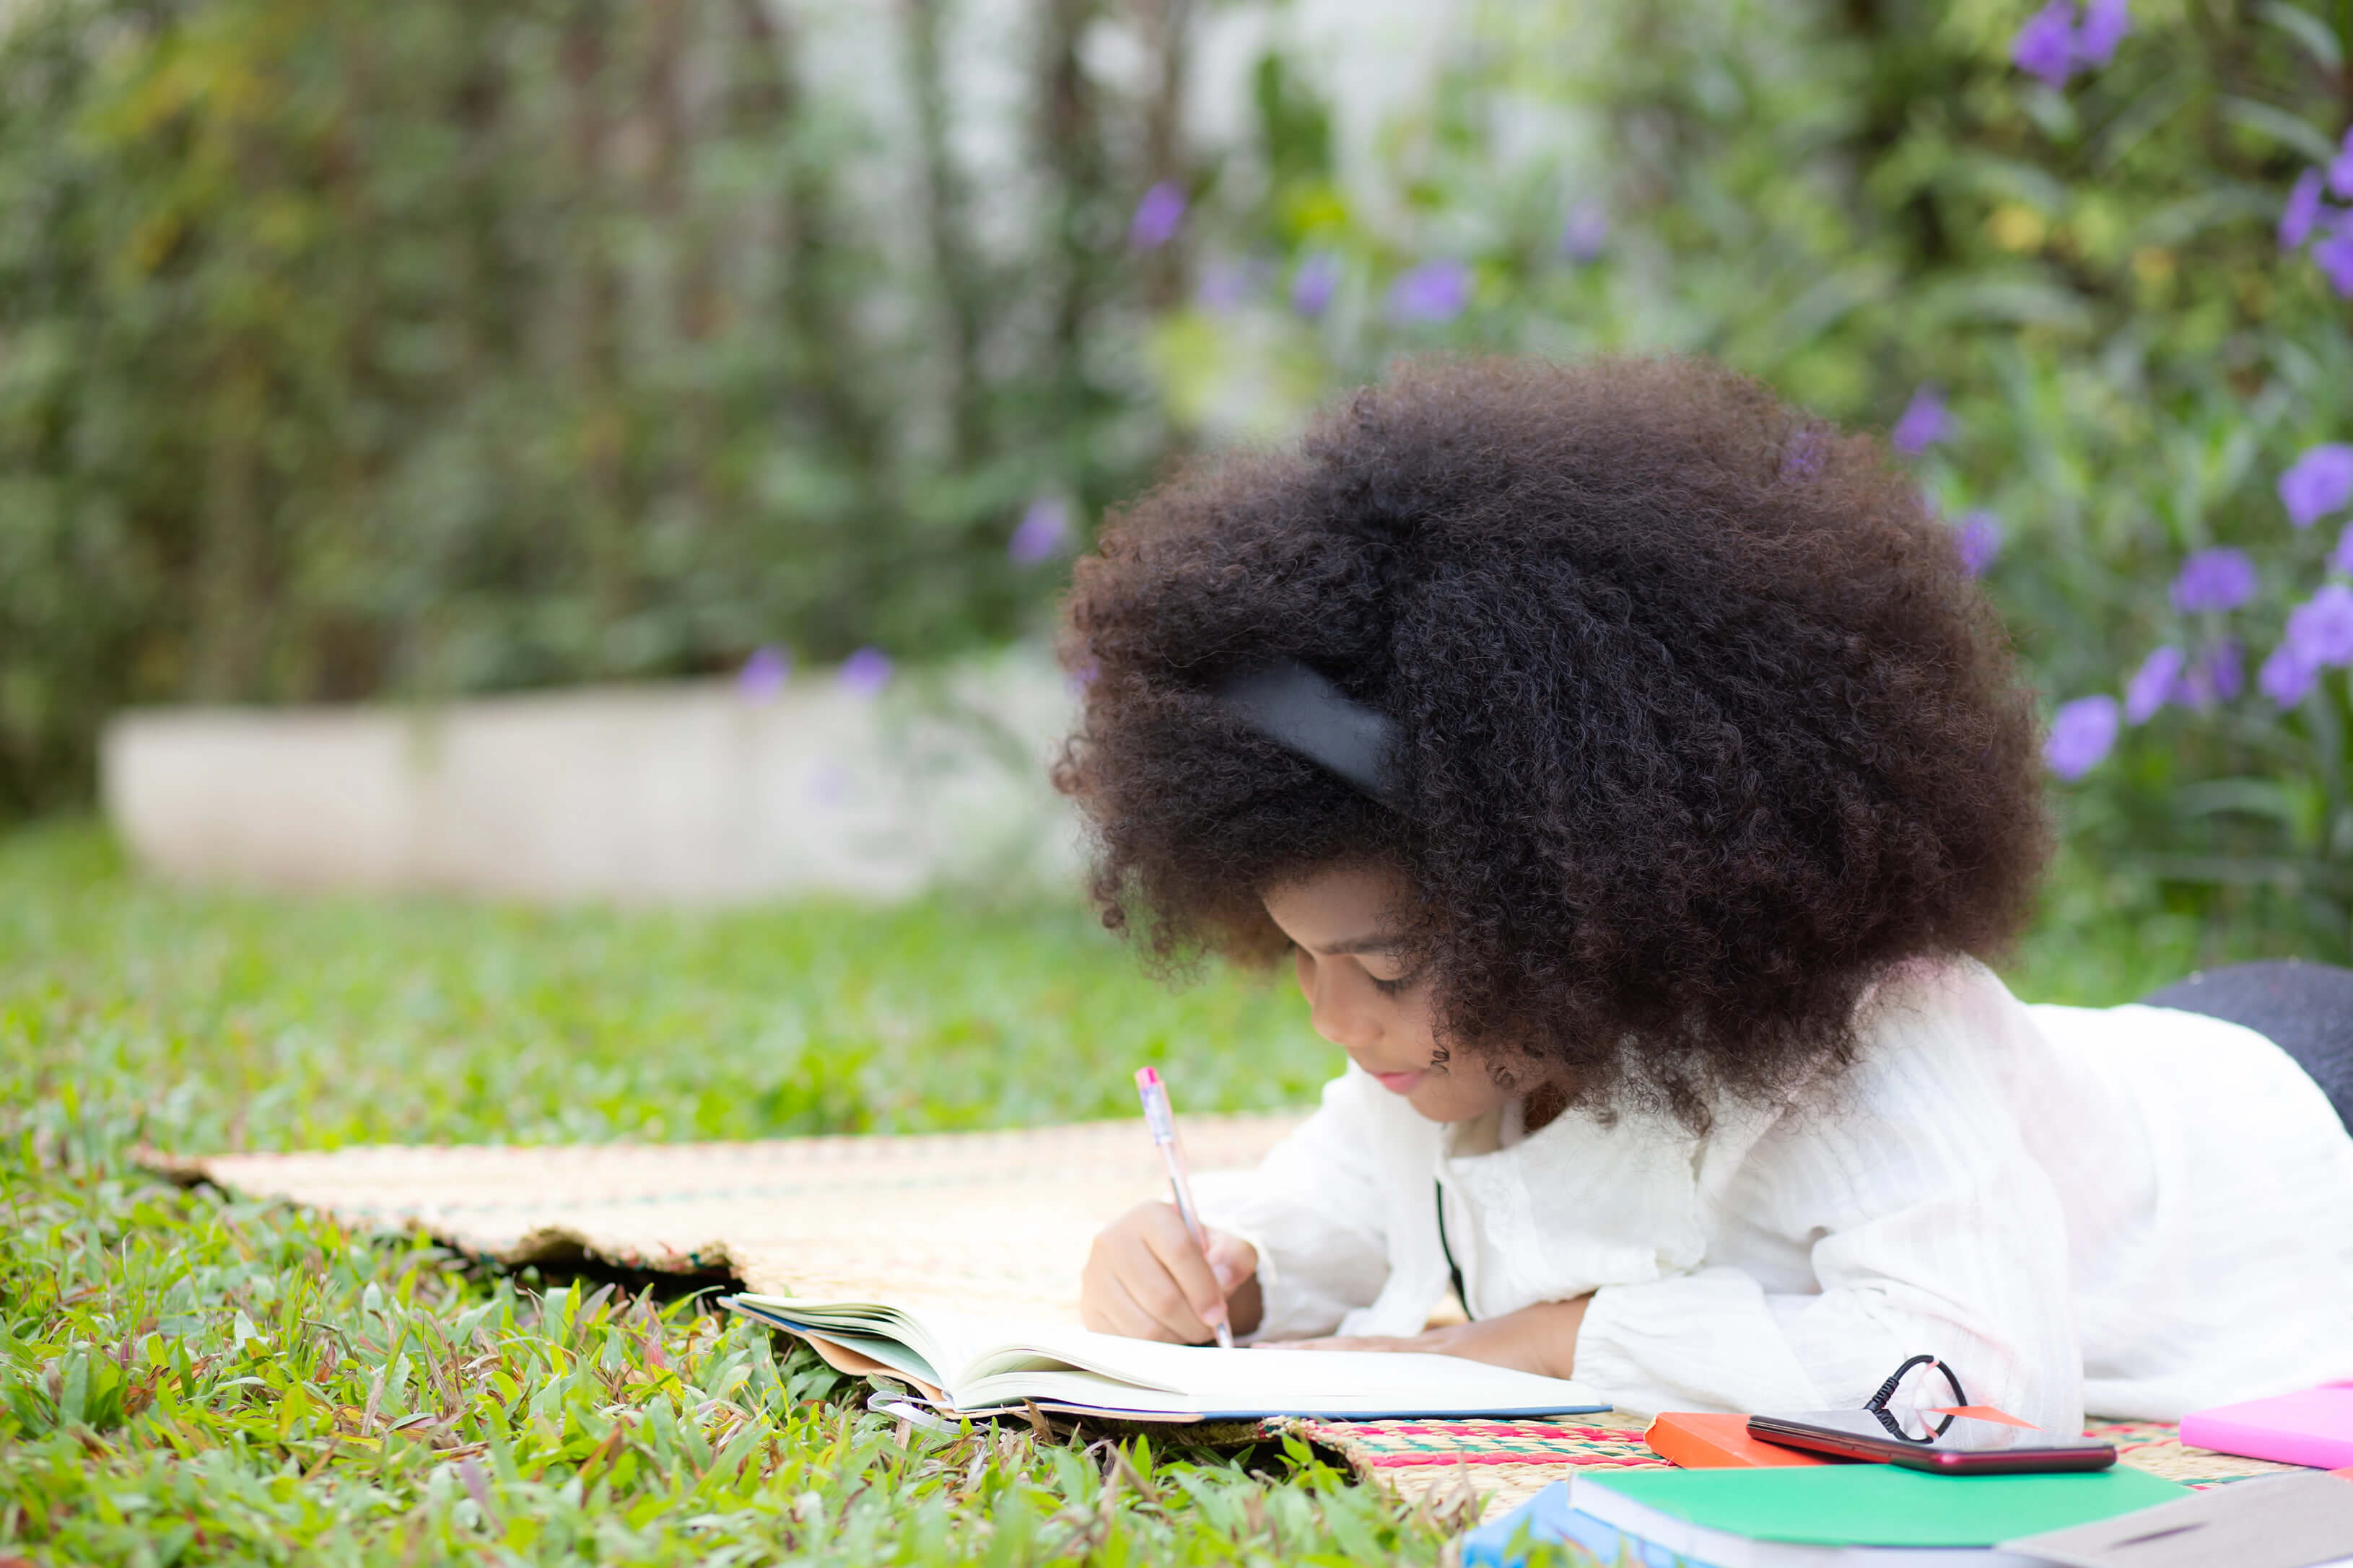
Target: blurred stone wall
point(694, 793)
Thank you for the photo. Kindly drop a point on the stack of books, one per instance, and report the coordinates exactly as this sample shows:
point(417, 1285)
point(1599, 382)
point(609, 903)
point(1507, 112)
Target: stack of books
point(1882, 1516)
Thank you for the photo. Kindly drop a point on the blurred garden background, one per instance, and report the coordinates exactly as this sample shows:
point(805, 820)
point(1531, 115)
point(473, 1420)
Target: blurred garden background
point(349, 353)
point(398, 354)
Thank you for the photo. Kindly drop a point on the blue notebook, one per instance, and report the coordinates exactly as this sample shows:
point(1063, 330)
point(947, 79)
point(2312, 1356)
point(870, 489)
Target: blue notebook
point(1547, 1518)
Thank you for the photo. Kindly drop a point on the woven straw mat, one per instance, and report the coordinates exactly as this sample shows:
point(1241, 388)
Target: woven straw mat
point(977, 1222)
point(987, 1222)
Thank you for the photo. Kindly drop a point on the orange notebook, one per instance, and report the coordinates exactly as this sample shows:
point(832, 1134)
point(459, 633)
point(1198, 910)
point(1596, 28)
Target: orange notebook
point(1700, 1441)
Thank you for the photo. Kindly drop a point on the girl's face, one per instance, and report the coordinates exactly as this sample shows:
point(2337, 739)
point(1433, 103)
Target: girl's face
point(1342, 924)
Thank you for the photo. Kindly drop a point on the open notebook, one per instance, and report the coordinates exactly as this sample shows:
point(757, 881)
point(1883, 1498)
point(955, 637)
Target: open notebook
point(974, 1366)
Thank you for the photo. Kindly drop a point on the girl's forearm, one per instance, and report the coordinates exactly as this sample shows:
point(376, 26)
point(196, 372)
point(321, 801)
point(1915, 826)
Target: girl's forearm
point(1541, 1339)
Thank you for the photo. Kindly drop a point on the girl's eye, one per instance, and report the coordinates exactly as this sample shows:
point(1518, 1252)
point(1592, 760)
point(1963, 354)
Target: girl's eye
point(1398, 987)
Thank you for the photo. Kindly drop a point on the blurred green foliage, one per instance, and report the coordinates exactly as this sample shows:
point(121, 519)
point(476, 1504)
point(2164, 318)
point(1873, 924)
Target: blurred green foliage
point(347, 349)
point(1852, 202)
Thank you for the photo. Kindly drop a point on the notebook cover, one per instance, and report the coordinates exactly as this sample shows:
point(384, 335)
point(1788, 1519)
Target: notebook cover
point(2313, 1427)
point(1544, 1519)
point(1699, 1440)
point(2289, 1520)
point(1875, 1505)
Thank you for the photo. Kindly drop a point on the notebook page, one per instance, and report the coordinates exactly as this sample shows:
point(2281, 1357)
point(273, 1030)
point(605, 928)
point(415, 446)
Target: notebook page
point(1275, 1379)
point(986, 1361)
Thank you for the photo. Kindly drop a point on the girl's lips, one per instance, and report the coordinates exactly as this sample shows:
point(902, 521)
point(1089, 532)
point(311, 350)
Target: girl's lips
point(1399, 1082)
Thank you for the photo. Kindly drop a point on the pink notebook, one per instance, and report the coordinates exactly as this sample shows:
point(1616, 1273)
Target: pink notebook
point(2313, 1427)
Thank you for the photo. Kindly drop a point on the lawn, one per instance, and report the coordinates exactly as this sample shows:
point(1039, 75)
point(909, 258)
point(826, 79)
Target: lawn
point(189, 1379)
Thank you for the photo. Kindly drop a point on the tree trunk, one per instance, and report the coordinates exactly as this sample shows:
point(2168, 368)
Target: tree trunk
point(604, 424)
point(955, 265)
point(1069, 136)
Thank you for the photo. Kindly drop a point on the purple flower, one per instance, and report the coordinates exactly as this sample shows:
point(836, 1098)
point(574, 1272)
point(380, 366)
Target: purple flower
point(2151, 684)
point(2332, 254)
point(2304, 210)
point(2219, 675)
point(2211, 581)
point(1158, 217)
point(764, 674)
point(2340, 169)
point(2317, 483)
point(1584, 232)
point(2104, 25)
point(1312, 286)
point(2321, 628)
point(1978, 538)
point(2341, 558)
point(2225, 668)
point(2286, 677)
point(2082, 731)
point(1434, 292)
point(2045, 47)
point(1040, 532)
point(865, 673)
point(1923, 422)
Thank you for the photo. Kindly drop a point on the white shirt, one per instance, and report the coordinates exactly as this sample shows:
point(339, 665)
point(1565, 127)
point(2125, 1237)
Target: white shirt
point(2130, 1210)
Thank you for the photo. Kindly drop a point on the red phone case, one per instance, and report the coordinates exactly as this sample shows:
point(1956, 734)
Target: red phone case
point(1935, 1461)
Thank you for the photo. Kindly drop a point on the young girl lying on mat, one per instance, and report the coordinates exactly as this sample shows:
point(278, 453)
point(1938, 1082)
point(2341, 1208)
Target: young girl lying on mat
point(1636, 781)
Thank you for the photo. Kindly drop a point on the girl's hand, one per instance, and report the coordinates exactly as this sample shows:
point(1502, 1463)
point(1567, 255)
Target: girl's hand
point(1541, 1339)
point(1145, 1279)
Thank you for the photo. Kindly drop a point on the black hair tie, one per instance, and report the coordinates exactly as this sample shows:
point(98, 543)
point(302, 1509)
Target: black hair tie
point(1877, 1403)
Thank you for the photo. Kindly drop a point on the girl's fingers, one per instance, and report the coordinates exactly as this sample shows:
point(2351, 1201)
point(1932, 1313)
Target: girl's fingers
point(1186, 1297)
point(1144, 1279)
point(1122, 1315)
point(1106, 1305)
point(1232, 1260)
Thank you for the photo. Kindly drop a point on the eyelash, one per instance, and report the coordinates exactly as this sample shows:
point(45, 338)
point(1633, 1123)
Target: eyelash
point(1398, 987)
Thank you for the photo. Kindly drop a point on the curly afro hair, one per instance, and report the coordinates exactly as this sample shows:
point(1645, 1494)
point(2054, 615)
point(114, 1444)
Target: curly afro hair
point(1701, 726)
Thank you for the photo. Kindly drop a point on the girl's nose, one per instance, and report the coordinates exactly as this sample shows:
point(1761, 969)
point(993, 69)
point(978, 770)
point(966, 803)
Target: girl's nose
point(1336, 1011)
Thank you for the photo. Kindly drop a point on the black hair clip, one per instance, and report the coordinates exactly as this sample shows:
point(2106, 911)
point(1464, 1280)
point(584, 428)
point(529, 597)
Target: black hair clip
point(1300, 711)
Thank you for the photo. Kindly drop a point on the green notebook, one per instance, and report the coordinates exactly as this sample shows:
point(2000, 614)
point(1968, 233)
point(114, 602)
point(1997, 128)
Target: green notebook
point(1703, 1512)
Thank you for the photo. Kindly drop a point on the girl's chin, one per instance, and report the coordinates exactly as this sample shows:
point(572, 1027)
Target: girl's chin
point(1435, 1103)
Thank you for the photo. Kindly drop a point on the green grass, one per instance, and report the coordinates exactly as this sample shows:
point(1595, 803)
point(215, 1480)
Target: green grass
point(191, 1379)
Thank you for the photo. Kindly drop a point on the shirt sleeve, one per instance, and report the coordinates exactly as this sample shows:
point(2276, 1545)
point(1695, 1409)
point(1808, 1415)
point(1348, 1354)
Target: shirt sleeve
point(1929, 1228)
point(1315, 1209)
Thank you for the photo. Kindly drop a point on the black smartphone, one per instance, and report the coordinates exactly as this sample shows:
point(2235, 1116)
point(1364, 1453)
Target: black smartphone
point(1968, 1447)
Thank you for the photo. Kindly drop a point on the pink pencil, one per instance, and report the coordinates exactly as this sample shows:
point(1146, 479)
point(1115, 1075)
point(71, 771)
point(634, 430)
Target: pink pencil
point(1163, 1122)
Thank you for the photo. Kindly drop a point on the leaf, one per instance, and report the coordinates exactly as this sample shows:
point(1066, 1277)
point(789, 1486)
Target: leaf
point(2319, 38)
point(2280, 125)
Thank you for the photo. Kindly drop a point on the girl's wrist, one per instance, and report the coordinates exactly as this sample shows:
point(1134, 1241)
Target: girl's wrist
point(1565, 1320)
